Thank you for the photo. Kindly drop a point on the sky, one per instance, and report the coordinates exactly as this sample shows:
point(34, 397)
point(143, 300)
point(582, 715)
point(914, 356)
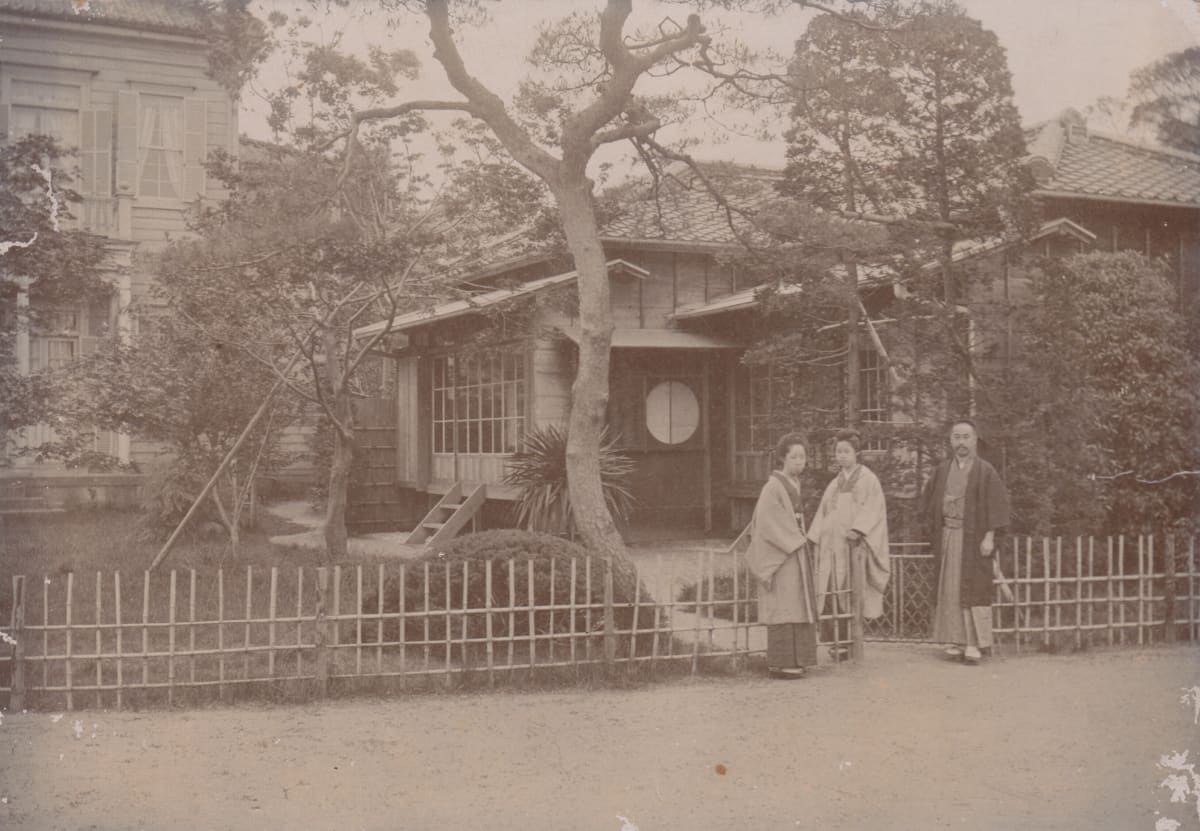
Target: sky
point(1062, 53)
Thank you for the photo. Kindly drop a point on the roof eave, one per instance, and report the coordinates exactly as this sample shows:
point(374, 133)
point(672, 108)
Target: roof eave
point(1047, 193)
point(112, 28)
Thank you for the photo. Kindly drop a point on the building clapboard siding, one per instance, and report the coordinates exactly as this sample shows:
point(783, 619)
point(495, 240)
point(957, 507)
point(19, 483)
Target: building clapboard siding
point(125, 83)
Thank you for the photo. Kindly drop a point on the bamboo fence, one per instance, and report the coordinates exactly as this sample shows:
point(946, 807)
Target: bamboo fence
point(113, 639)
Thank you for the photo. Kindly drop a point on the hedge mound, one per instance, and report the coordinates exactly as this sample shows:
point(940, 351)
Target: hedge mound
point(535, 559)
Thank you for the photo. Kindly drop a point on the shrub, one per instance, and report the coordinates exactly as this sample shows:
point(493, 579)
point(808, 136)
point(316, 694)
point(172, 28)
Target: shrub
point(722, 598)
point(539, 470)
point(526, 551)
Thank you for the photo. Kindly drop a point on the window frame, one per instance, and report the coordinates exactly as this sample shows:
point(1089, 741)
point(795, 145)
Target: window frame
point(479, 401)
point(144, 150)
point(14, 100)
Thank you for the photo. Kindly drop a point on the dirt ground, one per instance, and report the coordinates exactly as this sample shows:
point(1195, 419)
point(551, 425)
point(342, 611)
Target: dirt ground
point(904, 740)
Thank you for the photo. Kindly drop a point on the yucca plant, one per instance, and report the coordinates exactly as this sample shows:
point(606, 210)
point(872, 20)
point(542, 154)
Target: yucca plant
point(539, 470)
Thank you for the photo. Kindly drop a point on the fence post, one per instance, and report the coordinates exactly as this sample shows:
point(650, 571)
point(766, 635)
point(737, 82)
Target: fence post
point(16, 697)
point(610, 624)
point(858, 587)
point(320, 635)
point(1169, 592)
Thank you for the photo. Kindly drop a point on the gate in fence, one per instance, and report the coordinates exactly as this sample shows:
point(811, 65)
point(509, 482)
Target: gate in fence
point(909, 600)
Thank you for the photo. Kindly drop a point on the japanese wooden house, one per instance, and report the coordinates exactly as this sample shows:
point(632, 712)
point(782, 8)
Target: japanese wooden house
point(687, 411)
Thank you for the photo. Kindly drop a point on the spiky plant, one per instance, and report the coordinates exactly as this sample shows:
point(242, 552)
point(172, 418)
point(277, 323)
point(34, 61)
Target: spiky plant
point(539, 470)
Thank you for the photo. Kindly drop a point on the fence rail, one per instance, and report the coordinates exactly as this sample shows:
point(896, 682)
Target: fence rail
point(108, 640)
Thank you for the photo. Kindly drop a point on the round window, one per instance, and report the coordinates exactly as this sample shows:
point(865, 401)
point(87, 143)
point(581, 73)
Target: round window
point(672, 412)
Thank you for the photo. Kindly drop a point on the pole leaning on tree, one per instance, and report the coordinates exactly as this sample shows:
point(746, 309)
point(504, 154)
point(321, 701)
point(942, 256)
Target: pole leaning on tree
point(237, 445)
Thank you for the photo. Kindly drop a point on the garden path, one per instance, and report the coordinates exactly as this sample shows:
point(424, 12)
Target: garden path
point(902, 740)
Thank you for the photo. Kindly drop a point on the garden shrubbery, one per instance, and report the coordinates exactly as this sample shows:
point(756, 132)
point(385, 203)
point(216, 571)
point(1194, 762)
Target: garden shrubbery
point(540, 577)
point(721, 594)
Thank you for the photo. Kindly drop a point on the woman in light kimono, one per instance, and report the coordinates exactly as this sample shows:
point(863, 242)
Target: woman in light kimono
point(779, 558)
point(852, 512)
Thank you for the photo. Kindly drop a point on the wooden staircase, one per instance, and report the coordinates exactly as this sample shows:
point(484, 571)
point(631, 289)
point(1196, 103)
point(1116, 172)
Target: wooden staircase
point(448, 516)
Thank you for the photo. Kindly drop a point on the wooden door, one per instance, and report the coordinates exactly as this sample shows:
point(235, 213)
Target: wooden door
point(659, 405)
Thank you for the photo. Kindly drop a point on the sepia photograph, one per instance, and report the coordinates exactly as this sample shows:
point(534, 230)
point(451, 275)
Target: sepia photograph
point(614, 415)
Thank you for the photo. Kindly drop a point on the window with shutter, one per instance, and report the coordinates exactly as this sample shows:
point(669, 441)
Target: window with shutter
point(195, 141)
point(95, 154)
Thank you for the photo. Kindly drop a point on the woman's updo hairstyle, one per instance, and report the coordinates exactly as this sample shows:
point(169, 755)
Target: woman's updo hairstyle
point(785, 445)
point(850, 437)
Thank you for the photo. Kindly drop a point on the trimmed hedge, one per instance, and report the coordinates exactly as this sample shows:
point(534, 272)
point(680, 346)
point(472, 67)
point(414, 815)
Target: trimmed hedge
point(521, 548)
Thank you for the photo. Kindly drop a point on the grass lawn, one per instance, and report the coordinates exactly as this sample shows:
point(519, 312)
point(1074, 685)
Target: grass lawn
point(86, 541)
point(78, 555)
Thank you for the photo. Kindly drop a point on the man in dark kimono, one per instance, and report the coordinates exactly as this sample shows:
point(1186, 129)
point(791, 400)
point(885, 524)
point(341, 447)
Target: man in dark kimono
point(965, 507)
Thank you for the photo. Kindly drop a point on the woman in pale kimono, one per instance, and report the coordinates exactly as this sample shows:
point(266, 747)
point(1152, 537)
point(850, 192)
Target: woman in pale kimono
point(852, 512)
point(779, 558)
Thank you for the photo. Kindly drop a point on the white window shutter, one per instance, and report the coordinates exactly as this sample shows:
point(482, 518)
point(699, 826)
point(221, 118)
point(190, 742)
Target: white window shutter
point(95, 153)
point(195, 140)
point(127, 142)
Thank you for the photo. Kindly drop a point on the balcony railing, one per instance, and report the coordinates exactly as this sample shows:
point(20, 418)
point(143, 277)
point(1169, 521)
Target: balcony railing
point(95, 215)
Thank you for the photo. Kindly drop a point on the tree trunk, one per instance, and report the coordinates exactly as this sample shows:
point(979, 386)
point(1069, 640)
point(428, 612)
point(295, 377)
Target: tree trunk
point(589, 394)
point(341, 412)
point(335, 503)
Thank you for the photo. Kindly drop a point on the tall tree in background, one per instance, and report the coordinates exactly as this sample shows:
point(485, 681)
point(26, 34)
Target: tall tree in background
point(1166, 96)
point(905, 118)
point(962, 164)
point(842, 143)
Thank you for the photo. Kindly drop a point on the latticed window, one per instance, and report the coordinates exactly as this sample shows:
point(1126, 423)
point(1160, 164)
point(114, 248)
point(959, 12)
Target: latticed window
point(479, 402)
point(752, 409)
point(872, 392)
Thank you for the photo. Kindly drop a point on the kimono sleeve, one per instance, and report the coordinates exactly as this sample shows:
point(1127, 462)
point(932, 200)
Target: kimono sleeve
point(776, 533)
point(995, 502)
point(871, 511)
point(818, 521)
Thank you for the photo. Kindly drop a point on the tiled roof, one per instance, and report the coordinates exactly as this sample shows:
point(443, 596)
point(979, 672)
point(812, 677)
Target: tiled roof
point(474, 303)
point(682, 210)
point(174, 16)
point(1069, 160)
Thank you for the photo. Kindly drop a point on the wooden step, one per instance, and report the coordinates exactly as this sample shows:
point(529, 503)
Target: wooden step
point(449, 516)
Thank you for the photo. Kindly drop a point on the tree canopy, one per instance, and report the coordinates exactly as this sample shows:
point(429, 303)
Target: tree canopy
point(54, 267)
point(1166, 96)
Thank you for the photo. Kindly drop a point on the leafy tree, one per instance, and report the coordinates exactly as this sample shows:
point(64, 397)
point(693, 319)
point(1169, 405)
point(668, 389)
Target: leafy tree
point(280, 272)
point(175, 385)
point(1105, 399)
point(1166, 96)
point(55, 268)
